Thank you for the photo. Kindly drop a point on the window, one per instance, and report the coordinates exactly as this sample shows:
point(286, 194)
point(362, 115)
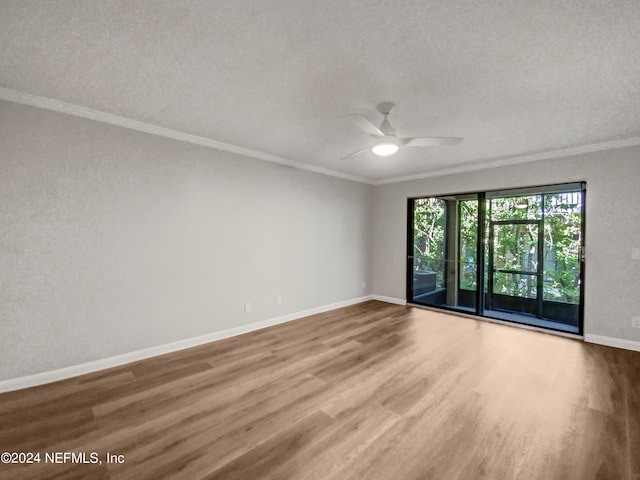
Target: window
point(513, 255)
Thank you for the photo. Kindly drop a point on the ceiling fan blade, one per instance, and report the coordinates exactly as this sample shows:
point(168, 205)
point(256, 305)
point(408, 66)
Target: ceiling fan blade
point(366, 125)
point(354, 154)
point(432, 141)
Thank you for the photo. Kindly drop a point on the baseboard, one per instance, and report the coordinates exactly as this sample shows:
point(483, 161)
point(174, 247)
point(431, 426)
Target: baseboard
point(104, 363)
point(382, 298)
point(613, 342)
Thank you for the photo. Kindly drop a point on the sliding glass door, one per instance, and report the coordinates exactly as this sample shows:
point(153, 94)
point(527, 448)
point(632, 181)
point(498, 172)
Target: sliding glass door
point(513, 255)
point(443, 255)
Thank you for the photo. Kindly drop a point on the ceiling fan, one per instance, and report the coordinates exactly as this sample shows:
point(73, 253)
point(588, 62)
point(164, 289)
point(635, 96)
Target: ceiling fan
point(386, 141)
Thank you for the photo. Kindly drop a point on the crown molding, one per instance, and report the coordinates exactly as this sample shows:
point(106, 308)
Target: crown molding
point(46, 103)
point(59, 106)
point(502, 162)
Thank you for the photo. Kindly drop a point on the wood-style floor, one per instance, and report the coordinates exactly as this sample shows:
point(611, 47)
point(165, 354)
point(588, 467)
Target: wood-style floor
point(372, 391)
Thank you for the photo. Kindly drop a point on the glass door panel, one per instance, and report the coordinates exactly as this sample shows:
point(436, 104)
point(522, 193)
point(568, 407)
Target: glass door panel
point(562, 247)
point(429, 251)
point(562, 256)
point(468, 253)
point(514, 258)
point(443, 252)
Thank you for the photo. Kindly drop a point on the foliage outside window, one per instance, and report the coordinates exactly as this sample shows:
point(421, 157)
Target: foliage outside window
point(429, 237)
point(468, 244)
point(563, 216)
point(515, 248)
point(516, 245)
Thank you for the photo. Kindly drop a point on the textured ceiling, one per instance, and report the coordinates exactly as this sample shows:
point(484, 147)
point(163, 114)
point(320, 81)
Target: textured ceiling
point(279, 76)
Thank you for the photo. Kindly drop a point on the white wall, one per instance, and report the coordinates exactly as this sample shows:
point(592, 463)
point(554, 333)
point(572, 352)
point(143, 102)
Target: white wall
point(114, 240)
point(612, 283)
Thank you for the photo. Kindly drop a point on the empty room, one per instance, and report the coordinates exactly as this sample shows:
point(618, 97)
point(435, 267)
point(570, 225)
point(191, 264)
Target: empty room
point(324, 240)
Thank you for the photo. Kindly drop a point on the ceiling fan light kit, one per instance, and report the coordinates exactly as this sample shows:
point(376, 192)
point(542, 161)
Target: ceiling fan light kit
point(387, 143)
point(385, 149)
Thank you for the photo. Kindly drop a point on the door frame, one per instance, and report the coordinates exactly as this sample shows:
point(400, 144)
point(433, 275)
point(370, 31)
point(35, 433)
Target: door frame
point(482, 197)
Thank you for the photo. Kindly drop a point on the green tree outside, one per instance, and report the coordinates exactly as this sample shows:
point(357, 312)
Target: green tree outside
point(515, 247)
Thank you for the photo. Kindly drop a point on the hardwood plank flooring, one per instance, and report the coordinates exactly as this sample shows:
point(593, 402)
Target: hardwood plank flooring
point(371, 391)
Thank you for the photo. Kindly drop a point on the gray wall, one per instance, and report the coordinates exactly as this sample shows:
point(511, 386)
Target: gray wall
point(612, 283)
point(114, 240)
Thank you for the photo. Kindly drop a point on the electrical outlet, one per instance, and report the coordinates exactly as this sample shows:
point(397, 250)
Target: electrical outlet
point(635, 322)
point(247, 307)
point(279, 300)
point(364, 285)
